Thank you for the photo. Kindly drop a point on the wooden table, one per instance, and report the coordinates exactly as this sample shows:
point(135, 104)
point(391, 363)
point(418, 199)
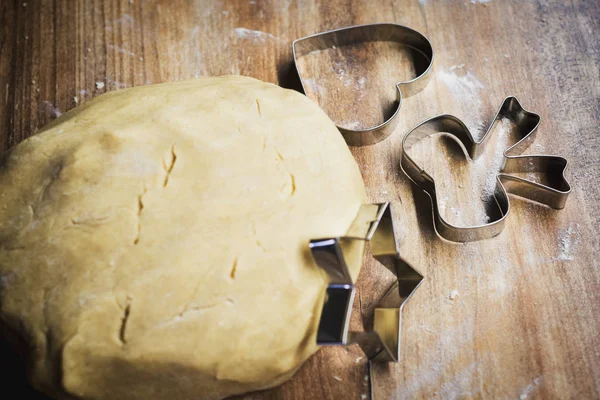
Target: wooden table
point(517, 316)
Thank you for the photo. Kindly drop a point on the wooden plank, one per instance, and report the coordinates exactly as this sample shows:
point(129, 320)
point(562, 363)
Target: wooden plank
point(523, 317)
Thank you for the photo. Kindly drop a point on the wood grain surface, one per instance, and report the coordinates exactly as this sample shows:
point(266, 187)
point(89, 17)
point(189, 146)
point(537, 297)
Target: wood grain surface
point(513, 317)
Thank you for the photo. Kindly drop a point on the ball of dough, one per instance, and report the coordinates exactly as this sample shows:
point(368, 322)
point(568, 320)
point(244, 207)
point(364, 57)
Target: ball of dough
point(154, 241)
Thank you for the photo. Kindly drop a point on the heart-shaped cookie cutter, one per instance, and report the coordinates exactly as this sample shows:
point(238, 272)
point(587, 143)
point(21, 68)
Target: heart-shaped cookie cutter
point(553, 195)
point(373, 224)
point(370, 33)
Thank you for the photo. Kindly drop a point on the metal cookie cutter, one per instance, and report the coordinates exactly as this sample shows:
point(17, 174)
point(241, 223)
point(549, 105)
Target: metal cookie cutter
point(373, 223)
point(554, 194)
point(371, 33)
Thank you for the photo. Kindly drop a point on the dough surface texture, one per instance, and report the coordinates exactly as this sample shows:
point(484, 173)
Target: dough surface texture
point(154, 241)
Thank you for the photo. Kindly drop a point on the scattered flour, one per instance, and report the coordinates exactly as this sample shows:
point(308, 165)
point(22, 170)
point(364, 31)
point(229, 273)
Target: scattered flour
point(568, 240)
point(441, 203)
point(352, 125)
point(117, 84)
point(441, 360)
point(254, 35)
point(457, 386)
point(124, 19)
point(427, 329)
point(314, 86)
point(501, 130)
point(529, 389)
point(197, 59)
point(195, 31)
point(453, 294)
point(361, 82)
point(456, 211)
point(500, 278)
point(120, 50)
point(52, 109)
point(466, 89)
point(357, 83)
point(538, 148)
point(285, 5)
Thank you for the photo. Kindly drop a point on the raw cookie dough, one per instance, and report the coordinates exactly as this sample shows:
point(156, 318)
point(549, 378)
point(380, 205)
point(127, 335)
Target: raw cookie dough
point(153, 242)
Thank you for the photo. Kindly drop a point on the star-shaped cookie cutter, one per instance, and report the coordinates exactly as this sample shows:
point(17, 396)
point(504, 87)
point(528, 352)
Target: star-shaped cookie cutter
point(370, 33)
point(553, 195)
point(373, 224)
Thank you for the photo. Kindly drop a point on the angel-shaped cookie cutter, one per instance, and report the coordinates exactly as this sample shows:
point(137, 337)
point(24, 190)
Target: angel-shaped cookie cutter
point(554, 194)
point(374, 224)
point(371, 33)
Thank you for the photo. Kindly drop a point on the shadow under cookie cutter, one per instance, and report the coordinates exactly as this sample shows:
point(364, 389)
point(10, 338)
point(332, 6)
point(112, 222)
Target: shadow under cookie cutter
point(371, 33)
point(553, 195)
point(373, 223)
